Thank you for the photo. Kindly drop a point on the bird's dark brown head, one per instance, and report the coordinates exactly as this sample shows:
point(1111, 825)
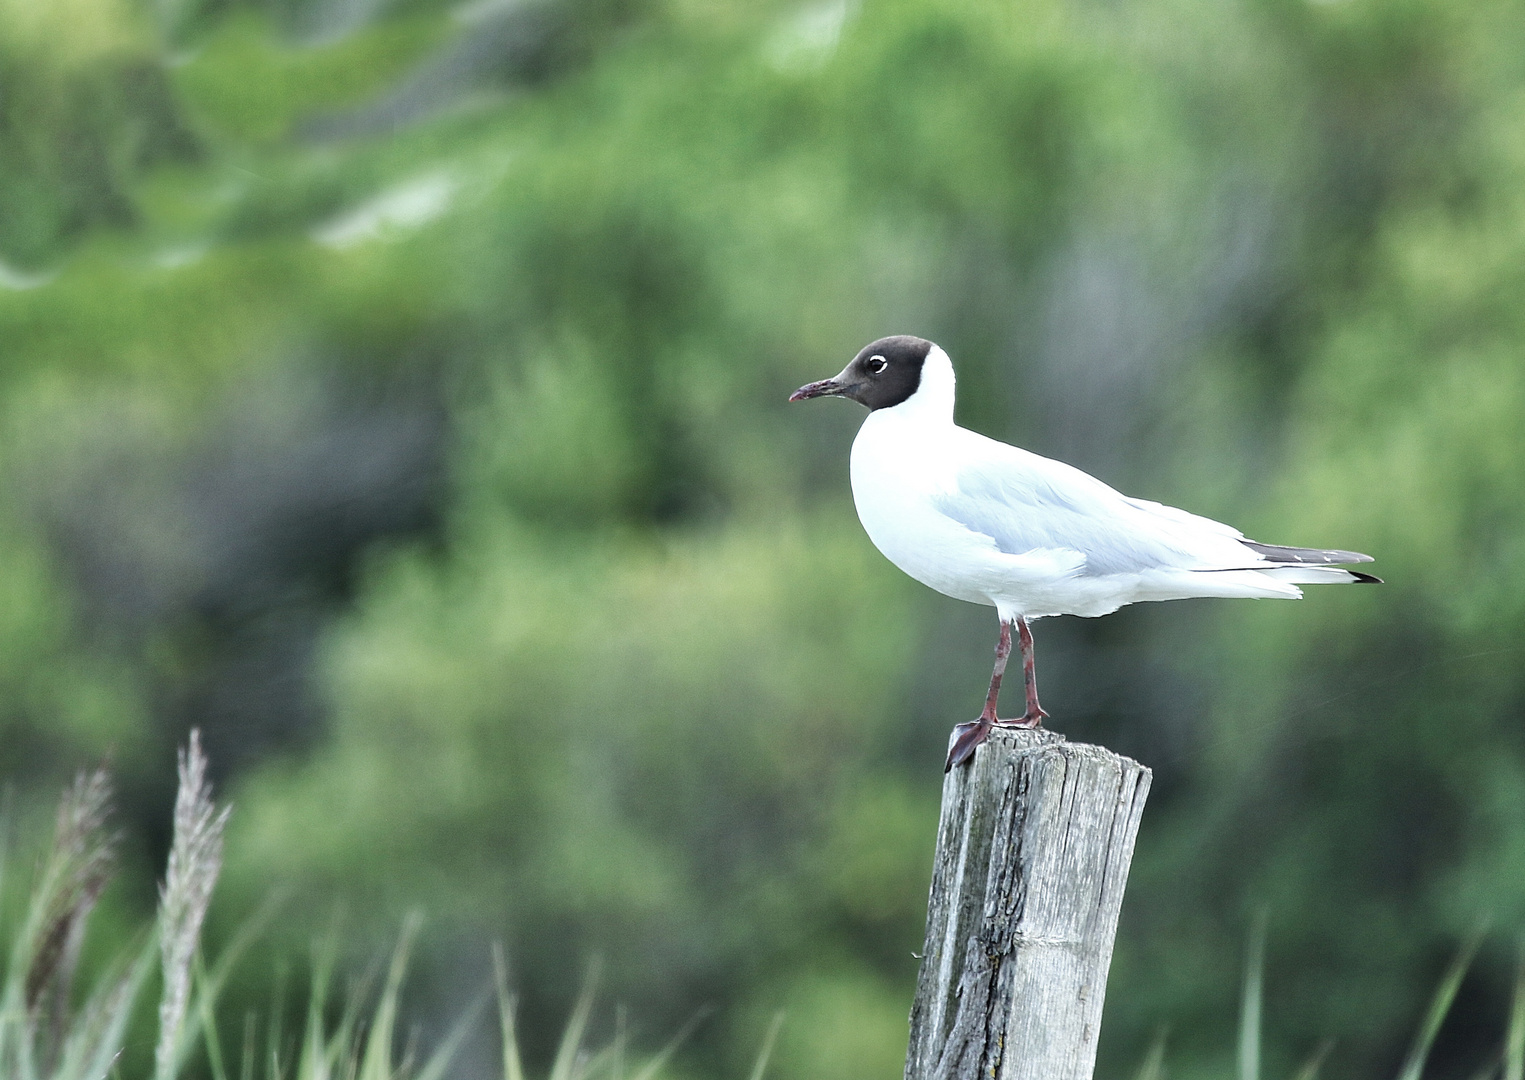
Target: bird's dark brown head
point(883, 375)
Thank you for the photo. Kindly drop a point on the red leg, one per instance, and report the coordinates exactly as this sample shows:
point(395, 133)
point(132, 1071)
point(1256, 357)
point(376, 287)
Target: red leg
point(1002, 651)
point(1035, 715)
point(975, 732)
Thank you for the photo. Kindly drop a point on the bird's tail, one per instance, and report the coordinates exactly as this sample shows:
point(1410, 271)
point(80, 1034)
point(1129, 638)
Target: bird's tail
point(1302, 574)
point(1311, 566)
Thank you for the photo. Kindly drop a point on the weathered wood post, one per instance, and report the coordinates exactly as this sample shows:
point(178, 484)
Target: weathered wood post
point(1032, 857)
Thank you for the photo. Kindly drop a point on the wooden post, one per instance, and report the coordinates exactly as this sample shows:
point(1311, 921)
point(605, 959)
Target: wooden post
point(1032, 857)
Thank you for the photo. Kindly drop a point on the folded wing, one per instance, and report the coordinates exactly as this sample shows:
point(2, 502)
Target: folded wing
point(1025, 502)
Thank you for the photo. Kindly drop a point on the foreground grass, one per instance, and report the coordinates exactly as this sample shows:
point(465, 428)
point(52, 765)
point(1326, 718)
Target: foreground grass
point(49, 1032)
point(1507, 1064)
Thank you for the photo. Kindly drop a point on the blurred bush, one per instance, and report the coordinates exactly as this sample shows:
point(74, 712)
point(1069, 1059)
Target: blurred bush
point(395, 391)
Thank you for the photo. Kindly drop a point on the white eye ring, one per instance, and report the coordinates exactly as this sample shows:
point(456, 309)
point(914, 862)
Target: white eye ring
point(876, 364)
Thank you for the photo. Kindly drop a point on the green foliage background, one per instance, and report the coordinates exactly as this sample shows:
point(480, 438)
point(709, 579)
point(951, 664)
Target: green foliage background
point(395, 390)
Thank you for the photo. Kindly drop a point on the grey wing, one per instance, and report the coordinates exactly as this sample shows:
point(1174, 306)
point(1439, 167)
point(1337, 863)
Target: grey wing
point(1280, 553)
point(1024, 503)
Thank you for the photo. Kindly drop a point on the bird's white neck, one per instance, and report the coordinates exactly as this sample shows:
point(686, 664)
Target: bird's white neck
point(933, 401)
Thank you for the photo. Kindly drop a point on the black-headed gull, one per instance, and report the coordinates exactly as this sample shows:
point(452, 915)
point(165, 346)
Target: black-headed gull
point(994, 524)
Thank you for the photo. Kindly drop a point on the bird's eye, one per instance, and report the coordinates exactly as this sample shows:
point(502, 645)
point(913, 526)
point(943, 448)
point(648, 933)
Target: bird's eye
point(876, 364)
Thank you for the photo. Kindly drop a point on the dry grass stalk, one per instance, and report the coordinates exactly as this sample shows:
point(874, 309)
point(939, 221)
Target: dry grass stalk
point(78, 866)
point(195, 860)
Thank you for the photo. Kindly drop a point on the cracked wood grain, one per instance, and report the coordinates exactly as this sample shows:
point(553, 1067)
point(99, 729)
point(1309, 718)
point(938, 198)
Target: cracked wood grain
point(1033, 850)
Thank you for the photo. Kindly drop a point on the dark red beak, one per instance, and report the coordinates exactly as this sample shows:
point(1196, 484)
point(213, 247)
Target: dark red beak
point(824, 388)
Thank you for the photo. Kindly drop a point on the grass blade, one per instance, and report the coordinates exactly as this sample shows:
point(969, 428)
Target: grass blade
point(1153, 1065)
point(275, 1059)
point(444, 1053)
point(1440, 1005)
point(100, 1030)
point(571, 1039)
point(513, 1066)
point(1311, 1067)
point(767, 1047)
point(376, 1063)
point(205, 999)
point(1250, 1001)
point(1514, 1038)
point(621, 1039)
point(312, 1059)
point(656, 1064)
point(246, 1064)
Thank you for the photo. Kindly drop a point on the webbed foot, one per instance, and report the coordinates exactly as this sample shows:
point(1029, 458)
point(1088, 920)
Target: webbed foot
point(967, 737)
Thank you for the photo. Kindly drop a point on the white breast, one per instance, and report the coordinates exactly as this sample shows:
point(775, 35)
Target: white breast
point(894, 480)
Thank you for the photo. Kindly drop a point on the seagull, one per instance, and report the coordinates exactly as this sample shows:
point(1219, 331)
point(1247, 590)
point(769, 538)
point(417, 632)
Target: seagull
point(994, 524)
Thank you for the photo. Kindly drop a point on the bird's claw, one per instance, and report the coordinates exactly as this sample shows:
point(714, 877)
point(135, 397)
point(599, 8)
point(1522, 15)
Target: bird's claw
point(966, 738)
point(1032, 721)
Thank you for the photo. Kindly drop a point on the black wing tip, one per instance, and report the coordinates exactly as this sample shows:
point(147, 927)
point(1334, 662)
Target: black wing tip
point(1365, 579)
